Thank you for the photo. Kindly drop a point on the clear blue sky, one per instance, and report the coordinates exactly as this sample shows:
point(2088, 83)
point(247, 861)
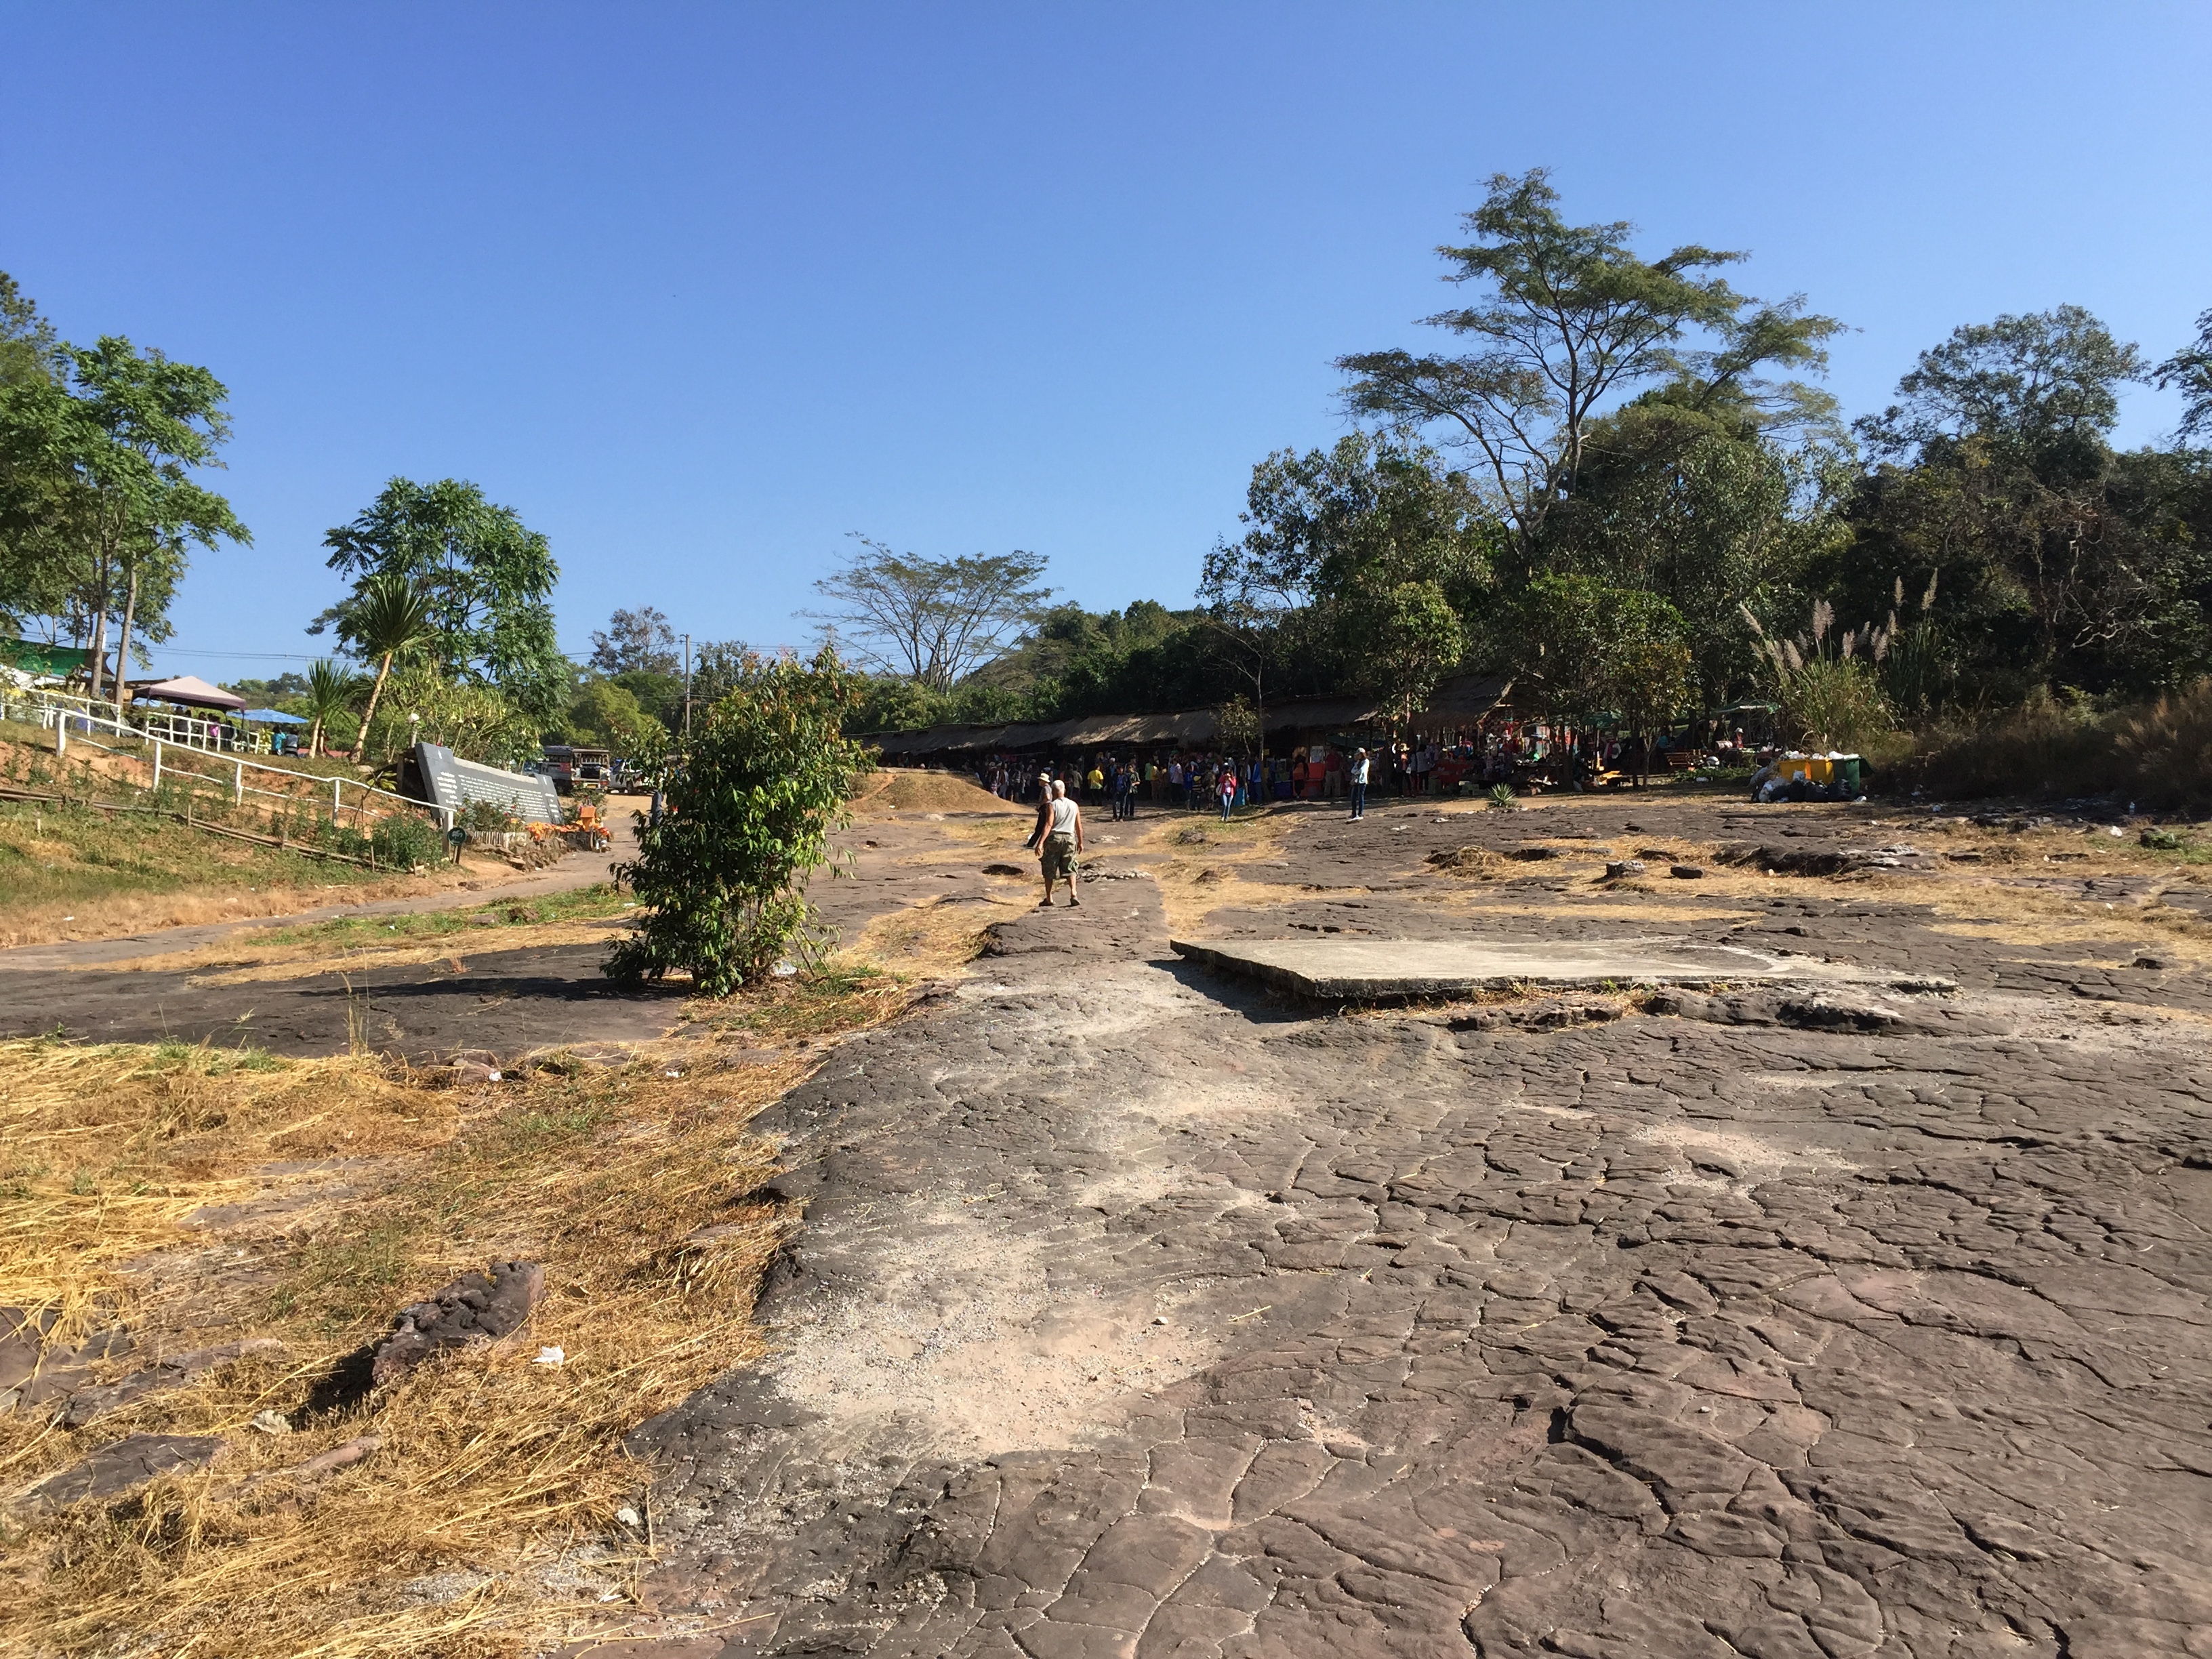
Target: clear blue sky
point(698, 289)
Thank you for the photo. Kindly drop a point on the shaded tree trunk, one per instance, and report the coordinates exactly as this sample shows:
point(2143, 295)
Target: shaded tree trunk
point(361, 742)
point(122, 642)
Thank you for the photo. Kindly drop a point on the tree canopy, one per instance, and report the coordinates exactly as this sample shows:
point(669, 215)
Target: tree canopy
point(933, 620)
point(486, 577)
point(101, 450)
point(1569, 318)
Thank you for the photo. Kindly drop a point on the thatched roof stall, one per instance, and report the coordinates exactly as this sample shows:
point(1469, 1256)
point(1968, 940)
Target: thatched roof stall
point(1464, 700)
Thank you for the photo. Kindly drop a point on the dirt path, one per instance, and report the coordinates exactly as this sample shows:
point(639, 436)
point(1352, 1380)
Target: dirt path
point(577, 870)
point(1135, 1315)
point(472, 993)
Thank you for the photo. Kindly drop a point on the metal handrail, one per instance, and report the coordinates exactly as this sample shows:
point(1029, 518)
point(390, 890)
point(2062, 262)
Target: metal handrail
point(57, 719)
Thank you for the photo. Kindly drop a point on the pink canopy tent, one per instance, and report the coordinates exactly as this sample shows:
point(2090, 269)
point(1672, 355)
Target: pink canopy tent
point(189, 690)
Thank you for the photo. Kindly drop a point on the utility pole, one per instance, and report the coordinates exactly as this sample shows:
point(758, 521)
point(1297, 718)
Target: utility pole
point(687, 684)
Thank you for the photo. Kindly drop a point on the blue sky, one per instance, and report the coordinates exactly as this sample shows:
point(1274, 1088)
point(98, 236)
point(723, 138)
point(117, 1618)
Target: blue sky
point(699, 289)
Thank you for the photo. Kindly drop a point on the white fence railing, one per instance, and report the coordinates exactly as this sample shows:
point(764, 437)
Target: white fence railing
point(65, 715)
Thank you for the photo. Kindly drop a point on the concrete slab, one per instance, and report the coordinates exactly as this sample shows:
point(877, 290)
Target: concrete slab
point(1390, 970)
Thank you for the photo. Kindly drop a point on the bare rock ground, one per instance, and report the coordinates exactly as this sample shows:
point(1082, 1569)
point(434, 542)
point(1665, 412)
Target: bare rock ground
point(1134, 1314)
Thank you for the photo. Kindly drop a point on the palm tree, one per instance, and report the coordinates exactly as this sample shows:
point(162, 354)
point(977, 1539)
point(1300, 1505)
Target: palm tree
point(331, 689)
point(389, 614)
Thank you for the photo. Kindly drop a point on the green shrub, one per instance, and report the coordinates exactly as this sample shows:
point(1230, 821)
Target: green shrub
point(488, 818)
point(406, 841)
point(750, 805)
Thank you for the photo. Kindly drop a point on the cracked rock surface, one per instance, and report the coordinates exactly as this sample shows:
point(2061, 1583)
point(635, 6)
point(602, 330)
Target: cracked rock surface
point(1135, 1315)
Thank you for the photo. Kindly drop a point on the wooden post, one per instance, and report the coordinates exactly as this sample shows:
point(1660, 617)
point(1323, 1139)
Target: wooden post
point(157, 765)
point(61, 732)
point(337, 784)
point(237, 783)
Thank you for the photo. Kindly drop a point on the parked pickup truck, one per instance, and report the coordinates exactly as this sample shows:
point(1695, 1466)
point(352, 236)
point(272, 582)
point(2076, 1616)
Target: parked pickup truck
point(567, 767)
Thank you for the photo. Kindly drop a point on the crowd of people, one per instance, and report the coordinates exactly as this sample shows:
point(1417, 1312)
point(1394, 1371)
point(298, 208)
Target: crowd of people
point(1518, 754)
point(1190, 781)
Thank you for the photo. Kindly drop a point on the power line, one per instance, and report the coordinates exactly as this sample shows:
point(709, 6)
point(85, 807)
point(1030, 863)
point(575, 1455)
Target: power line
point(276, 656)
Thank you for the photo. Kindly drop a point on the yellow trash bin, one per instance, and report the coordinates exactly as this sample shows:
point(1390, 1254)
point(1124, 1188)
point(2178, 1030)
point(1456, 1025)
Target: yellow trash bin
point(1813, 768)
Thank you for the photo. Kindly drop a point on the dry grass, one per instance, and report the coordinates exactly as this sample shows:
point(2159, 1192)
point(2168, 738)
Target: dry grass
point(933, 940)
point(579, 915)
point(307, 963)
point(1205, 864)
point(2159, 754)
point(1476, 863)
point(486, 1522)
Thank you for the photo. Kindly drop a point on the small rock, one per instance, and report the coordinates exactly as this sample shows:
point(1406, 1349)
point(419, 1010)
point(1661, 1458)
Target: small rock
point(1620, 867)
point(475, 1308)
point(628, 1516)
point(2154, 963)
point(1687, 872)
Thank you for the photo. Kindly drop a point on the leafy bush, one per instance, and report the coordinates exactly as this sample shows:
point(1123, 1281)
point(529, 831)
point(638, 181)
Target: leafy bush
point(406, 841)
point(488, 818)
point(1830, 695)
point(749, 808)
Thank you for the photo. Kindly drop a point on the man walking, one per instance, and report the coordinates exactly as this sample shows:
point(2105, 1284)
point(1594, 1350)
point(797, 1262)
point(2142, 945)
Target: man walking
point(1062, 841)
point(1043, 825)
point(1358, 786)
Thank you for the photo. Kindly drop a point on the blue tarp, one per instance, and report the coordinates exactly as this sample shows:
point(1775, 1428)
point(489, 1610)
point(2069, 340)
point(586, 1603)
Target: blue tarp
point(270, 717)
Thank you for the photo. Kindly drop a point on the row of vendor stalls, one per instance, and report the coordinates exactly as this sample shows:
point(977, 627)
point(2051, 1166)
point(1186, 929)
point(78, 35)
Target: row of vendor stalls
point(1459, 704)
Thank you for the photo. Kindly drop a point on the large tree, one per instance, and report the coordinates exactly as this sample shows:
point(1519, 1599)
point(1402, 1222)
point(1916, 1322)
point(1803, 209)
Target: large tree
point(486, 577)
point(2189, 372)
point(931, 620)
point(638, 641)
point(1362, 559)
point(1699, 506)
point(2061, 561)
point(29, 351)
point(1569, 320)
point(100, 503)
point(1582, 650)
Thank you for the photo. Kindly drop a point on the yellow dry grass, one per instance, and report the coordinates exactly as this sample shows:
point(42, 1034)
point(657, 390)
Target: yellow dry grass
point(495, 1490)
point(931, 940)
point(1204, 865)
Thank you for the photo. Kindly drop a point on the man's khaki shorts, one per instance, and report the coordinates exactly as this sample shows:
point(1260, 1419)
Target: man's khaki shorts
point(1059, 857)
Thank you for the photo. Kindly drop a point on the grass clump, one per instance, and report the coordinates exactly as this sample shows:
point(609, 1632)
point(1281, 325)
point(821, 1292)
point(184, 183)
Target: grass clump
point(2156, 754)
point(1476, 862)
